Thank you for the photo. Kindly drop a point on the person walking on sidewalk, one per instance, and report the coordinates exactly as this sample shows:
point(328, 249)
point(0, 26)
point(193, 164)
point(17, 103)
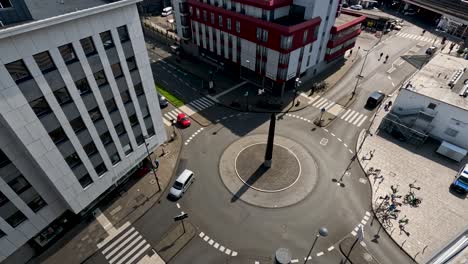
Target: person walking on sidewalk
point(381, 54)
point(386, 59)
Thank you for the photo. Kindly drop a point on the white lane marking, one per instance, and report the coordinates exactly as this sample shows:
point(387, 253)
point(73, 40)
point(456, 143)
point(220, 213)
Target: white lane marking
point(178, 205)
point(139, 253)
point(322, 104)
point(350, 151)
point(389, 77)
point(319, 102)
point(166, 122)
point(234, 253)
point(350, 115)
point(352, 118)
point(326, 130)
point(363, 244)
point(211, 242)
point(177, 111)
point(203, 103)
point(202, 234)
point(320, 254)
point(313, 99)
point(346, 145)
point(256, 262)
point(294, 260)
point(118, 241)
point(216, 245)
point(228, 251)
point(363, 222)
point(105, 223)
point(221, 248)
point(323, 142)
point(331, 248)
point(393, 84)
point(354, 233)
point(339, 139)
point(171, 115)
point(196, 105)
point(357, 119)
point(330, 105)
point(345, 114)
point(332, 134)
point(362, 121)
point(206, 238)
point(366, 218)
point(367, 213)
point(125, 249)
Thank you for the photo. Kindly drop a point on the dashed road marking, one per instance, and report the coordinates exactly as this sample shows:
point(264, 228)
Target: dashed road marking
point(320, 254)
point(323, 141)
point(217, 246)
point(178, 205)
point(330, 248)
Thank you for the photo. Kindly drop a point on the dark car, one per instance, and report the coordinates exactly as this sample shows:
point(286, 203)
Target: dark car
point(163, 103)
point(375, 99)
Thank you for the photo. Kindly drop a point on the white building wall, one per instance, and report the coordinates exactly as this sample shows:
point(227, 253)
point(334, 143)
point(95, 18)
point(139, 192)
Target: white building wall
point(281, 12)
point(293, 62)
point(31, 148)
point(218, 42)
point(448, 116)
point(271, 67)
point(210, 35)
point(234, 48)
point(226, 45)
point(203, 38)
point(176, 13)
point(197, 33)
point(248, 54)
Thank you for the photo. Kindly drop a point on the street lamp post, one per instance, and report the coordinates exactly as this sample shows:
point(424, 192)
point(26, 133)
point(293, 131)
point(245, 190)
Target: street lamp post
point(152, 165)
point(323, 232)
point(360, 73)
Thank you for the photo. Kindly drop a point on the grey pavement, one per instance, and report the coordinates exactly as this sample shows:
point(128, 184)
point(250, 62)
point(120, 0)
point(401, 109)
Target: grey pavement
point(127, 204)
point(441, 214)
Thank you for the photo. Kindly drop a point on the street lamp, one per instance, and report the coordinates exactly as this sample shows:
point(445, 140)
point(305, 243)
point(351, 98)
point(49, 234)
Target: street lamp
point(360, 73)
point(152, 165)
point(323, 232)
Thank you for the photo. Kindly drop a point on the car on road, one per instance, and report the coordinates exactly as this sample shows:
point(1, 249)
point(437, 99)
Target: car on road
point(181, 184)
point(460, 184)
point(356, 7)
point(163, 103)
point(431, 50)
point(183, 120)
point(166, 11)
point(375, 99)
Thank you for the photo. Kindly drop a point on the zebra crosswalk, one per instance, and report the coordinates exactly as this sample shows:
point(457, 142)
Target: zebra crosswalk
point(126, 245)
point(351, 116)
point(189, 109)
point(419, 37)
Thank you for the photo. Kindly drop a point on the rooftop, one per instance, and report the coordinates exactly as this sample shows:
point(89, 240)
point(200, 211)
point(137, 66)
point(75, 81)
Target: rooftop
point(434, 78)
point(343, 19)
point(288, 21)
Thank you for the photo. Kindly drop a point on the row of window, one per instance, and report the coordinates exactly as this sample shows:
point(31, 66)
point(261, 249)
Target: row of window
point(5, 4)
point(20, 72)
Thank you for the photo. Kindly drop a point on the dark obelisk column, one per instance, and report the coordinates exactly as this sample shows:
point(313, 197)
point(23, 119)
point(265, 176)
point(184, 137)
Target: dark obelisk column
point(271, 138)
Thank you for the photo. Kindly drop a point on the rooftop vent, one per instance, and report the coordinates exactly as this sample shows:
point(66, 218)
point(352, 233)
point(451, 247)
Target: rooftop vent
point(455, 77)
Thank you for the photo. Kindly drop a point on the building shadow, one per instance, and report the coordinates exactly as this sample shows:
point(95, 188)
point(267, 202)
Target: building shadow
point(252, 179)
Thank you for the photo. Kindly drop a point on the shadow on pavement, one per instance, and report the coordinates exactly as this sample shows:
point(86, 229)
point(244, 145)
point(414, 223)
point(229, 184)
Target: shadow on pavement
point(252, 179)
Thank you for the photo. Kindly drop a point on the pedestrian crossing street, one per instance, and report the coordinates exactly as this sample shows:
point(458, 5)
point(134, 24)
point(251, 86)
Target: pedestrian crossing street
point(348, 115)
point(189, 109)
point(127, 245)
point(419, 37)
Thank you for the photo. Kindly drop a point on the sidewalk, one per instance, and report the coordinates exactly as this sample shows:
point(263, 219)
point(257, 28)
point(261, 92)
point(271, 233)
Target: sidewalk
point(128, 204)
point(441, 214)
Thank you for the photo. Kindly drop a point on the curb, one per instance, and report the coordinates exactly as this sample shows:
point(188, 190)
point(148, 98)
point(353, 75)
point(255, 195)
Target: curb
point(372, 199)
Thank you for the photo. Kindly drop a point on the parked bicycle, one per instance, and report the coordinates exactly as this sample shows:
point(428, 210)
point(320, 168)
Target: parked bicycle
point(412, 200)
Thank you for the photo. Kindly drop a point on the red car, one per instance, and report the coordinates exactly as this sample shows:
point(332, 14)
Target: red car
point(183, 120)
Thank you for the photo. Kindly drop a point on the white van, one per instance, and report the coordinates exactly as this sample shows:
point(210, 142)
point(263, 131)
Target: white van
point(181, 184)
point(167, 11)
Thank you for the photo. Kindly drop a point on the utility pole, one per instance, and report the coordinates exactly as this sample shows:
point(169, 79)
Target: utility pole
point(152, 166)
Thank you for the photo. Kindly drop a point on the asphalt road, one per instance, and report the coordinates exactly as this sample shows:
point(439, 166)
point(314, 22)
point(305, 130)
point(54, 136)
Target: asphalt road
point(254, 232)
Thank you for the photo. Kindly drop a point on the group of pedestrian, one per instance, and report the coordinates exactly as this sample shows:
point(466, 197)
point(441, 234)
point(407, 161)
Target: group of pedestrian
point(386, 57)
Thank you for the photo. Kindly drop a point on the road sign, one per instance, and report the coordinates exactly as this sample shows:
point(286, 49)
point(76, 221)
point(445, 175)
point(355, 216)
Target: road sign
point(360, 233)
point(180, 217)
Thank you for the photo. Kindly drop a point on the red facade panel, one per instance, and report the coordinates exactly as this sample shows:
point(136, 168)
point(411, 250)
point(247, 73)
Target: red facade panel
point(334, 43)
point(329, 57)
point(358, 20)
point(266, 4)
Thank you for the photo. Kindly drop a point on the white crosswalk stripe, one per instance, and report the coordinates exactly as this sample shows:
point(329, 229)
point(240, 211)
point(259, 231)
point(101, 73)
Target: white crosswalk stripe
point(357, 119)
point(191, 108)
point(127, 245)
point(346, 113)
point(362, 121)
point(354, 116)
point(319, 102)
point(351, 114)
point(323, 103)
point(418, 37)
point(313, 99)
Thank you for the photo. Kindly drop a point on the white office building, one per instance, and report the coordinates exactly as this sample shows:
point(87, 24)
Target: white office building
point(77, 104)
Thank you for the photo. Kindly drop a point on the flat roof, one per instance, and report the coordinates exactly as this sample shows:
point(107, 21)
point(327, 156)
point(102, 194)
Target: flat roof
point(41, 9)
point(433, 80)
point(343, 19)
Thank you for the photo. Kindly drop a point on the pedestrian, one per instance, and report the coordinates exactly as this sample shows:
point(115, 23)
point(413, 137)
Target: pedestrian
point(350, 52)
point(386, 59)
point(381, 54)
point(424, 31)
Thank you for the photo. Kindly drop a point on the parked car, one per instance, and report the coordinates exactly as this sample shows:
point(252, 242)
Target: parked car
point(163, 103)
point(356, 7)
point(167, 11)
point(183, 120)
point(375, 99)
point(460, 184)
point(180, 186)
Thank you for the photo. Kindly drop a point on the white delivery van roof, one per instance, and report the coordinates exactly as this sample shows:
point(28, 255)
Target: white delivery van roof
point(184, 176)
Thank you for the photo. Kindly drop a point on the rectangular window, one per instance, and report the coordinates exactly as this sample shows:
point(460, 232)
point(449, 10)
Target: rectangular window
point(90, 149)
point(125, 95)
point(58, 135)
point(95, 114)
point(44, 61)
point(432, 106)
point(62, 96)
point(73, 160)
point(127, 149)
point(286, 42)
point(100, 169)
point(106, 138)
point(131, 62)
point(5, 4)
point(265, 35)
point(120, 129)
point(88, 46)
point(139, 89)
point(228, 23)
point(150, 131)
point(115, 158)
point(111, 105)
point(116, 70)
point(40, 106)
point(205, 16)
point(85, 180)
point(198, 13)
point(133, 120)
point(106, 38)
point(304, 37)
point(140, 139)
point(237, 26)
point(68, 53)
point(18, 71)
point(16, 219)
point(4, 160)
point(259, 33)
point(220, 20)
point(191, 10)
point(77, 124)
point(123, 33)
point(37, 203)
point(83, 86)
point(100, 78)
point(19, 184)
point(212, 18)
point(145, 111)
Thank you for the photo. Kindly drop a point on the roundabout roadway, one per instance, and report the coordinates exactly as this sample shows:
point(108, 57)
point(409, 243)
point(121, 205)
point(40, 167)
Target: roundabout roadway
point(253, 231)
